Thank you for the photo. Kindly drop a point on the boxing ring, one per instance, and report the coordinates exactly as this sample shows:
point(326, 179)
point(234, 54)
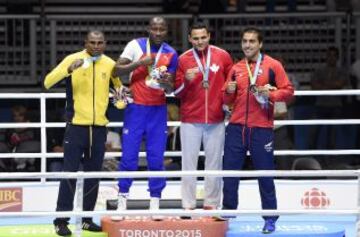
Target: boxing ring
point(293, 222)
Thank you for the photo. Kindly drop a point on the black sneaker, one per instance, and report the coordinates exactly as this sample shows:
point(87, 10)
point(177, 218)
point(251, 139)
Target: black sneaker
point(91, 226)
point(62, 229)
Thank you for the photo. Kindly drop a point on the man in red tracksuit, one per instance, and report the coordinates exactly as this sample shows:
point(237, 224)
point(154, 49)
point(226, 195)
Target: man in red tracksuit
point(253, 85)
point(200, 76)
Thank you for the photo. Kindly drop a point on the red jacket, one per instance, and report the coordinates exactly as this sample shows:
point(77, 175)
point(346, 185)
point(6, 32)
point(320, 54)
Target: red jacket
point(199, 105)
point(245, 108)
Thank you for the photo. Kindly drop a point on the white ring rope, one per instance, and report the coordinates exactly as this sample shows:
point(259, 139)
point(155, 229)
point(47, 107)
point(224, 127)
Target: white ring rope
point(197, 173)
point(62, 95)
point(121, 124)
point(327, 92)
point(178, 153)
point(175, 212)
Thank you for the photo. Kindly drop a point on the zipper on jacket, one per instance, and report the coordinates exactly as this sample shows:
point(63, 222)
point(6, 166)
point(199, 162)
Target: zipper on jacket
point(94, 93)
point(206, 89)
point(206, 105)
point(247, 104)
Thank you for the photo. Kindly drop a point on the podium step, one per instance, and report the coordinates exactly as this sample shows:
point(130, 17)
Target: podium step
point(44, 230)
point(167, 227)
point(287, 228)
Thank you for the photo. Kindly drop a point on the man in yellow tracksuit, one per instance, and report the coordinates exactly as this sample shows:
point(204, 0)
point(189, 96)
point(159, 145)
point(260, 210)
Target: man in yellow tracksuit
point(88, 74)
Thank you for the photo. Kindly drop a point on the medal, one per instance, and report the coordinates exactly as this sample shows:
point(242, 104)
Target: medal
point(204, 71)
point(252, 77)
point(86, 63)
point(262, 100)
point(205, 84)
point(153, 73)
point(253, 89)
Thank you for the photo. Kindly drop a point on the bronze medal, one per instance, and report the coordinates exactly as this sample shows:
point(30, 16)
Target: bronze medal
point(205, 84)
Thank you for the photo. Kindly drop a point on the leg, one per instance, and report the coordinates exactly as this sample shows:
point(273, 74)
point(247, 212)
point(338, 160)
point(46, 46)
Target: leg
point(94, 163)
point(74, 146)
point(156, 135)
point(234, 156)
point(191, 135)
point(131, 139)
point(213, 141)
point(262, 155)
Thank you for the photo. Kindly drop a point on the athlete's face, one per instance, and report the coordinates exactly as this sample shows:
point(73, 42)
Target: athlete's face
point(157, 31)
point(95, 44)
point(199, 38)
point(251, 45)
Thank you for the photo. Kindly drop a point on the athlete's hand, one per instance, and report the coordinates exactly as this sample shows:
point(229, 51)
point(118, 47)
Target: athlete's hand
point(191, 73)
point(147, 60)
point(166, 82)
point(75, 64)
point(265, 90)
point(166, 77)
point(231, 87)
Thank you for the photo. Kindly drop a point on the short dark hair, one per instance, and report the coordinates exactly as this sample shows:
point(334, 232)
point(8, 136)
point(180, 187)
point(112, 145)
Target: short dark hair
point(95, 32)
point(196, 25)
point(156, 19)
point(253, 30)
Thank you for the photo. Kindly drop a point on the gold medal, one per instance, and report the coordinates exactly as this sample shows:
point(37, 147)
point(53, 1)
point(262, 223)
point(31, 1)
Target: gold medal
point(148, 80)
point(120, 104)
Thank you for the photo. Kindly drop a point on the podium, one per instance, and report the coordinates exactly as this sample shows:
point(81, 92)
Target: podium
point(203, 227)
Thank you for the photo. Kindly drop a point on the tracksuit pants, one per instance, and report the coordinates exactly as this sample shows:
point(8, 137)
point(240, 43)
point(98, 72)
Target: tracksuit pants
point(212, 137)
point(148, 122)
point(259, 142)
point(84, 144)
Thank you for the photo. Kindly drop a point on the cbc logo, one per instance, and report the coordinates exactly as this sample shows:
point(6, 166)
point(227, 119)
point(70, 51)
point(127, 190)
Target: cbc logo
point(315, 199)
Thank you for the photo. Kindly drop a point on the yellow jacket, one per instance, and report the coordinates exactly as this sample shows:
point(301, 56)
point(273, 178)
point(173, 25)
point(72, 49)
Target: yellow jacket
point(87, 90)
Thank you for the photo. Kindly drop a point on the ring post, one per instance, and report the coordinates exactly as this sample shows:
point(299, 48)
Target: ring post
point(43, 135)
point(79, 204)
point(358, 206)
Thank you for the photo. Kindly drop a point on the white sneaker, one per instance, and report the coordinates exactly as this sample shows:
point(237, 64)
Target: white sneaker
point(154, 206)
point(122, 198)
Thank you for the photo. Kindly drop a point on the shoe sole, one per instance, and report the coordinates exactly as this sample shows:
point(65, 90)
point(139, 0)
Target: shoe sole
point(157, 218)
point(117, 218)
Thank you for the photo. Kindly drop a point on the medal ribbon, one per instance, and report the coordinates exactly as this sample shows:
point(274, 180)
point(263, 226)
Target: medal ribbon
point(257, 67)
point(261, 99)
point(148, 53)
point(207, 64)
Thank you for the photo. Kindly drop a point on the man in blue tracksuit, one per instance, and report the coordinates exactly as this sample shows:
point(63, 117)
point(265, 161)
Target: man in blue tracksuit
point(151, 63)
point(253, 85)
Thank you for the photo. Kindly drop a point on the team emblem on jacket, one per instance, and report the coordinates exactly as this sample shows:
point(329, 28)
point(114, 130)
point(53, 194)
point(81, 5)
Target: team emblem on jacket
point(103, 75)
point(214, 68)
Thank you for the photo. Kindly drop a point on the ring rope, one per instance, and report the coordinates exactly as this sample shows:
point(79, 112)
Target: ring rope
point(178, 123)
point(197, 173)
point(175, 212)
point(179, 153)
point(296, 93)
